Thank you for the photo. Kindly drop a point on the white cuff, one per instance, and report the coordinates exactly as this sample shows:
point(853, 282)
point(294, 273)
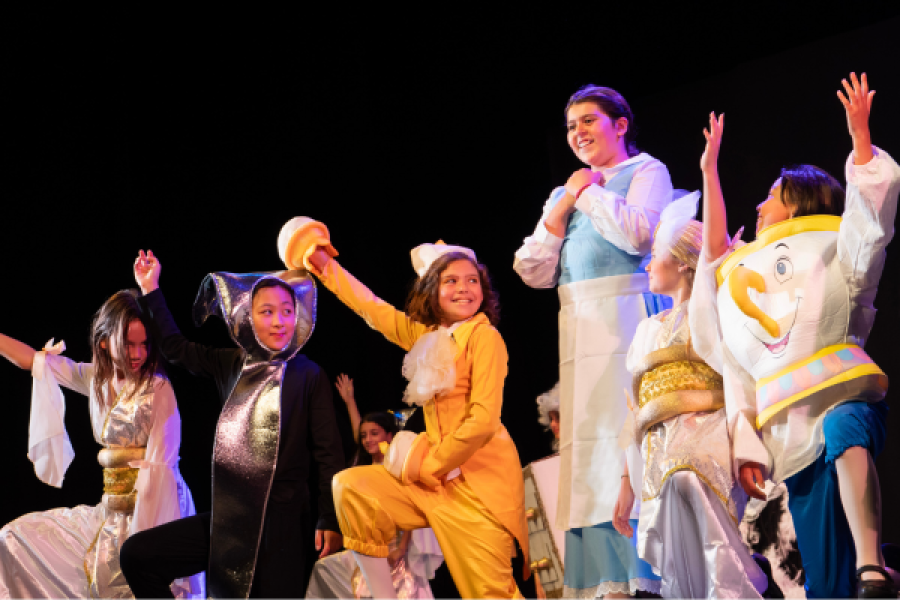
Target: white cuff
point(543, 236)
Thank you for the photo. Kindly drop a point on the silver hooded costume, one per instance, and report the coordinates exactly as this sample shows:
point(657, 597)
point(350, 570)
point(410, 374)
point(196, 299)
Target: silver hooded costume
point(247, 435)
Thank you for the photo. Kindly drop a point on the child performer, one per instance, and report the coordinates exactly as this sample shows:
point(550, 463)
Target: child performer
point(795, 372)
point(414, 555)
point(74, 553)
point(591, 243)
point(690, 503)
point(464, 476)
point(276, 418)
point(548, 413)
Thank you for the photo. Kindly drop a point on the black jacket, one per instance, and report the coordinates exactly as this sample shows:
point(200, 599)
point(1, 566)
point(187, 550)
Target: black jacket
point(308, 427)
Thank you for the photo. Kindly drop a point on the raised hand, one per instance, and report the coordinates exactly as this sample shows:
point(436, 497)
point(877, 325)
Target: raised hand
point(146, 271)
point(710, 159)
point(345, 388)
point(858, 104)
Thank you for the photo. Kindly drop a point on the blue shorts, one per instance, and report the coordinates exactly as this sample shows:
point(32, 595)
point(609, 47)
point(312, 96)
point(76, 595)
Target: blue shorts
point(814, 499)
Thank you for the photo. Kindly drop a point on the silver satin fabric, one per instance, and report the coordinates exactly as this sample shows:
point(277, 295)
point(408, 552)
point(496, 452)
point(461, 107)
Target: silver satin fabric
point(688, 535)
point(690, 503)
point(338, 576)
point(247, 434)
point(697, 442)
point(74, 552)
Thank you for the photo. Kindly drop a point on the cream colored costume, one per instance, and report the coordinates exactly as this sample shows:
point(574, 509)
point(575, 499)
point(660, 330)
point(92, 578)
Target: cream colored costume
point(691, 504)
point(789, 315)
point(74, 552)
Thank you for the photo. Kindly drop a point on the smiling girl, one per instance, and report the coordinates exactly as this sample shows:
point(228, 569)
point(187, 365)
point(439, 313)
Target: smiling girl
point(467, 484)
point(74, 553)
point(805, 403)
point(592, 243)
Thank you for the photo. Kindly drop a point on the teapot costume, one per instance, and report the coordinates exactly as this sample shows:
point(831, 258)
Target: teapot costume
point(793, 310)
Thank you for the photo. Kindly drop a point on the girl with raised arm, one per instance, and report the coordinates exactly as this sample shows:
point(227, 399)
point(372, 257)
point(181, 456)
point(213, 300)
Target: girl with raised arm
point(592, 243)
point(794, 308)
point(462, 477)
point(74, 553)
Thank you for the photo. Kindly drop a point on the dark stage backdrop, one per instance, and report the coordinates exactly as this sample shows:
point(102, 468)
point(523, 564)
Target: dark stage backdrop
point(200, 139)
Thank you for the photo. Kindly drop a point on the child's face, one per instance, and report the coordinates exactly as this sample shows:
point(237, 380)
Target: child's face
point(772, 210)
point(134, 352)
point(664, 272)
point(372, 434)
point(554, 423)
point(592, 135)
point(273, 317)
point(460, 292)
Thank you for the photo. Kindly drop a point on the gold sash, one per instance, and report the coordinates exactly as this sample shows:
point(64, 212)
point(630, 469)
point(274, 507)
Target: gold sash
point(119, 494)
point(673, 381)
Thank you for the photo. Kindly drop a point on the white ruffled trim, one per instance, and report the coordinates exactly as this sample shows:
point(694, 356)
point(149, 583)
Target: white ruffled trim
point(614, 587)
point(430, 367)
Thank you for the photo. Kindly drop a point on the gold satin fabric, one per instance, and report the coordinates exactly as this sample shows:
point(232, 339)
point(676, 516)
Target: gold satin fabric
point(463, 425)
point(372, 505)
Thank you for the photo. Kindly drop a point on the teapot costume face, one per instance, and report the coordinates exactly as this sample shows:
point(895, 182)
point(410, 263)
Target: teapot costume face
point(784, 308)
point(247, 435)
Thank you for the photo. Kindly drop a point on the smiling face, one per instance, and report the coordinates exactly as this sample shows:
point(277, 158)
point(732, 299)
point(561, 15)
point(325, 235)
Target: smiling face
point(460, 293)
point(132, 351)
point(802, 292)
point(273, 317)
point(372, 434)
point(773, 209)
point(596, 140)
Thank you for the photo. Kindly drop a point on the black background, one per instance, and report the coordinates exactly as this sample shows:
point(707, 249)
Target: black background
point(199, 132)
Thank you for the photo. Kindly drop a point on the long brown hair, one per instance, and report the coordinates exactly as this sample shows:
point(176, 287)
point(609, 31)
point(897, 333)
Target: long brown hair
point(111, 322)
point(423, 304)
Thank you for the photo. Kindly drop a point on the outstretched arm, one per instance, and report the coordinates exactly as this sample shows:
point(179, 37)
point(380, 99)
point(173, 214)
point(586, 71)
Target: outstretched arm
point(858, 104)
point(19, 354)
point(715, 222)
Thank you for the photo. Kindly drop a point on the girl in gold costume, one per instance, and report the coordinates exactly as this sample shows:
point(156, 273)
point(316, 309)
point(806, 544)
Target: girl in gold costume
point(679, 456)
point(462, 477)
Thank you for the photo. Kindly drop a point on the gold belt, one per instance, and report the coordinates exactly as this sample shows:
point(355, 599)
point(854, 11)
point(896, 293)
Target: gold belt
point(119, 494)
point(677, 376)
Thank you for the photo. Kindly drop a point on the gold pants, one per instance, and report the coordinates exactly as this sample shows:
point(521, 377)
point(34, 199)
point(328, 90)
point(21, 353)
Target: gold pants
point(371, 505)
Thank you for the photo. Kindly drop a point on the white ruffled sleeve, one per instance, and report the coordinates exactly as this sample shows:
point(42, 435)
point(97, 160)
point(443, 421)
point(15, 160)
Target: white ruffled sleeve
point(703, 313)
point(740, 389)
point(424, 555)
point(49, 447)
point(537, 261)
point(158, 498)
point(867, 226)
point(628, 223)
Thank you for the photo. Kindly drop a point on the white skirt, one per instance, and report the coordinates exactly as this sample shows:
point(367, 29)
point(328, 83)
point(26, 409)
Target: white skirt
point(597, 321)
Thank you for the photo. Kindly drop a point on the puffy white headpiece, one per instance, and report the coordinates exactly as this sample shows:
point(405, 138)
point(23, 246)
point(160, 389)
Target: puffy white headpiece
point(425, 254)
point(678, 232)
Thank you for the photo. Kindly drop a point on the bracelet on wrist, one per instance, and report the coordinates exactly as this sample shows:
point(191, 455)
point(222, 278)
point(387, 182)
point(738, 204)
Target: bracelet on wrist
point(584, 187)
point(625, 475)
